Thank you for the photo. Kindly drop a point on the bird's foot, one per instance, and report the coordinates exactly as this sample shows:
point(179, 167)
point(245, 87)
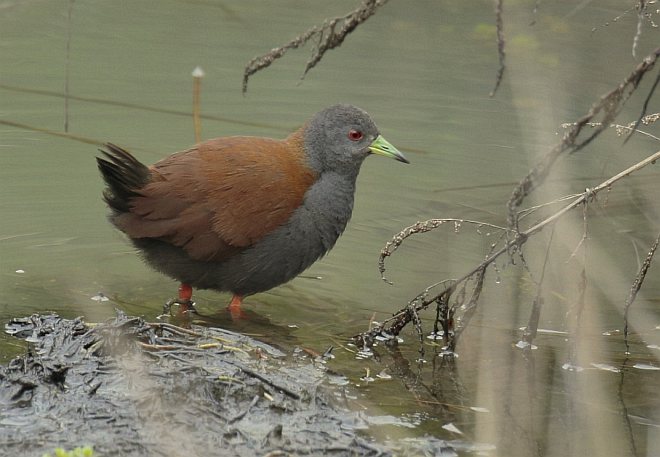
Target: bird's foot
point(184, 301)
point(185, 306)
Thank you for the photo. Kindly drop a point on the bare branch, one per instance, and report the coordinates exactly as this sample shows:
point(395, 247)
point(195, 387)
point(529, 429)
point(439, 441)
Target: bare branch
point(609, 105)
point(422, 227)
point(630, 128)
point(499, 23)
point(393, 325)
point(470, 307)
point(644, 108)
point(641, 12)
point(636, 285)
point(577, 308)
point(533, 324)
point(330, 35)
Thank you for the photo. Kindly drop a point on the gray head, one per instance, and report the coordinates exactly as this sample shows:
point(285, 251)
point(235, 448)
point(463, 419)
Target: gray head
point(340, 137)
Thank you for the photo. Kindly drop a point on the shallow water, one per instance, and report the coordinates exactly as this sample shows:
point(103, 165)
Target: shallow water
point(424, 71)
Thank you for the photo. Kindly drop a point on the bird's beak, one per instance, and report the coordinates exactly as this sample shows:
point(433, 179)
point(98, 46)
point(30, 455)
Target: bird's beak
point(382, 147)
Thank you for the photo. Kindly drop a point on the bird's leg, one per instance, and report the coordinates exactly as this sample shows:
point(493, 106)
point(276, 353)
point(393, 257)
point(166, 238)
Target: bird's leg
point(234, 307)
point(236, 301)
point(185, 302)
point(185, 298)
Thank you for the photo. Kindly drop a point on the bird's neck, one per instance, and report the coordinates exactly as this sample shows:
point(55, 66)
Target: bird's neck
point(329, 204)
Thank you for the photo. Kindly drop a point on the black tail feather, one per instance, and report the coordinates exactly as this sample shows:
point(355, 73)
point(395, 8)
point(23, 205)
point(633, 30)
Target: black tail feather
point(124, 176)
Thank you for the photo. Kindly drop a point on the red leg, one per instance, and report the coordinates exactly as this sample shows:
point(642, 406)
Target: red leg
point(186, 305)
point(185, 298)
point(234, 307)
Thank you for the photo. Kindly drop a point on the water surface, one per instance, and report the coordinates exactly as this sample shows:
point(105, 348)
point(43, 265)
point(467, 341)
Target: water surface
point(424, 71)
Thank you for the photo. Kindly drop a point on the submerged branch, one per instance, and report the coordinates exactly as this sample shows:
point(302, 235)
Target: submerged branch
point(529, 333)
point(576, 309)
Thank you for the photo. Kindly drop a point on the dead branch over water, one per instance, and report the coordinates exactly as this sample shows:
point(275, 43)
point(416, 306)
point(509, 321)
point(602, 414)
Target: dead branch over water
point(501, 54)
point(452, 297)
point(329, 36)
point(608, 107)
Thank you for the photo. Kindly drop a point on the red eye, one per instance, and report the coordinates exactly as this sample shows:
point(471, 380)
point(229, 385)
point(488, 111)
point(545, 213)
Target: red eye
point(354, 135)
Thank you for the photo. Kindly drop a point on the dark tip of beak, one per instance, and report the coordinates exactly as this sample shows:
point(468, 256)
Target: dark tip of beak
point(401, 158)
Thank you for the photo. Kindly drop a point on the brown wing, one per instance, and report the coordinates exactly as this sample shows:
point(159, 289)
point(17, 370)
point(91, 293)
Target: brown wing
point(221, 196)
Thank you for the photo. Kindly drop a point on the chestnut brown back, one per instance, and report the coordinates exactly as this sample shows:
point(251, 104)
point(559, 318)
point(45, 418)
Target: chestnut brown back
point(221, 196)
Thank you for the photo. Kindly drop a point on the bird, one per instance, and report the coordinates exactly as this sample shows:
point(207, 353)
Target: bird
point(243, 214)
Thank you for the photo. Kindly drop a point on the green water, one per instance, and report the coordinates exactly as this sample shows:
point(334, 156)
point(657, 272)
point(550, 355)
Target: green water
point(424, 71)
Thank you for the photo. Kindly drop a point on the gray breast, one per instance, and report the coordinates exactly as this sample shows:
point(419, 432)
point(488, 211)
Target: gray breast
point(311, 231)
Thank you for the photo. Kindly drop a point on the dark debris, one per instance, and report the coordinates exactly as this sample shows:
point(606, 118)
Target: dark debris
point(128, 387)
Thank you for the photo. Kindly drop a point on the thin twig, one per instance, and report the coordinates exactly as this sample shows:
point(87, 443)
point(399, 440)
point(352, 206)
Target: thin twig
point(645, 106)
point(330, 35)
point(609, 106)
point(533, 323)
point(634, 289)
point(578, 306)
point(470, 308)
point(265, 380)
point(590, 193)
point(243, 413)
point(641, 9)
point(394, 324)
point(174, 329)
point(630, 128)
point(501, 54)
point(423, 227)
